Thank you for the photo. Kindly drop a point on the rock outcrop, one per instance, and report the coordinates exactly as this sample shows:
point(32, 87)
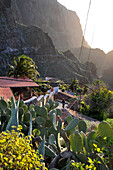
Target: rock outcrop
point(61, 24)
point(108, 69)
point(96, 56)
point(17, 39)
point(5, 4)
point(108, 62)
point(108, 77)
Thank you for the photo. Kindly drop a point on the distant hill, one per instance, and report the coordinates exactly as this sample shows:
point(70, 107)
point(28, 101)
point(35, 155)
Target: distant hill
point(108, 77)
point(108, 69)
point(108, 62)
point(96, 56)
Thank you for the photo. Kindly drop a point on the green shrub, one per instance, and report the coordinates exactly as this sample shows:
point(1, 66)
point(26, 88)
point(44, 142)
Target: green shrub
point(17, 153)
point(84, 109)
point(99, 100)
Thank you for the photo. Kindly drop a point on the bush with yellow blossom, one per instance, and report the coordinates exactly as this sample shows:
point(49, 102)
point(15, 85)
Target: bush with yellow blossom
point(16, 152)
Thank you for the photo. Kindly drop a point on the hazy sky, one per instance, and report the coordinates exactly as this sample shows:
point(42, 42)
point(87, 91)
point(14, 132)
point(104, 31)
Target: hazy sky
point(100, 21)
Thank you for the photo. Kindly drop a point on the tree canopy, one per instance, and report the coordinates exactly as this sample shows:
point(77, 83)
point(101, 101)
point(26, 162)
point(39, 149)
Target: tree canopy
point(99, 100)
point(23, 66)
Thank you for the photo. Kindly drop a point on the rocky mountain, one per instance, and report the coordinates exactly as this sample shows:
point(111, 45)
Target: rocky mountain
point(17, 39)
point(96, 56)
point(108, 62)
point(108, 69)
point(107, 77)
point(61, 24)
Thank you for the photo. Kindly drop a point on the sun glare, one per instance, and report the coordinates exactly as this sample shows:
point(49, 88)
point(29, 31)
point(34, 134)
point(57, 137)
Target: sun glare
point(99, 21)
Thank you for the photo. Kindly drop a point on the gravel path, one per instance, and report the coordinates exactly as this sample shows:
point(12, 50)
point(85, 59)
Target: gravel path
point(66, 112)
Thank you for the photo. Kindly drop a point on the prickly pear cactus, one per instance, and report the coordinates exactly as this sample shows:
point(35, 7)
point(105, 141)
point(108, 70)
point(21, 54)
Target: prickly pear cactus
point(82, 126)
point(91, 136)
point(75, 142)
point(82, 157)
point(91, 144)
point(69, 119)
point(72, 125)
point(105, 130)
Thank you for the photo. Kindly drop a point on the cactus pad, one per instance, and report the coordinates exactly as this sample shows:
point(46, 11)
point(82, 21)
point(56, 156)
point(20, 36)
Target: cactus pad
point(91, 136)
point(81, 157)
point(72, 124)
point(69, 119)
point(58, 112)
point(75, 142)
point(40, 120)
point(105, 130)
point(51, 139)
point(82, 126)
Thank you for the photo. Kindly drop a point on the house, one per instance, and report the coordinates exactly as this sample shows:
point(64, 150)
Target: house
point(16, 86)
point(52, 81)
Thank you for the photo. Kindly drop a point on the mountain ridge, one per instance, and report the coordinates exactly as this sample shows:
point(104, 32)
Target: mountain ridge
point(17, 39)
point(61, 24)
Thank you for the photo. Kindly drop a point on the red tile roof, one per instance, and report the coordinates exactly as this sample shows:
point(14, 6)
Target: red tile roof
point(19, 82)
point(6, 93)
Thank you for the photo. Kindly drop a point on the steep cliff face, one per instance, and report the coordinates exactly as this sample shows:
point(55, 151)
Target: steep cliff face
point(61, 24)
point(96, 56)
point(108, 62)
point(108, 77)
point(5, 4)
point(108, 69)
point(17, 39)
point(9, 35)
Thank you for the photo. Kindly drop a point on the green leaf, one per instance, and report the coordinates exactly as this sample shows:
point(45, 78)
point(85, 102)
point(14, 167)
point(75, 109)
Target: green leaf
point(26, 117)
point(91, 136)
point(72, 124)
point(51, 139)
point(69, 119)
point(49, 152)
point(42, 147)
point(54, 121)
point(40, 120)
point(14, 121)
point(75, 142)
point(30, 126)
point(59, 125)
point(3, 104)
point(105, 130)
point(32, 111)
point(82, 126)
point(58, 112)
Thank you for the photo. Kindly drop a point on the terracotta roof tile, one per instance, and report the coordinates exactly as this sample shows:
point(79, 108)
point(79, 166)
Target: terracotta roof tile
point(13, 82)
point(6, 93)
